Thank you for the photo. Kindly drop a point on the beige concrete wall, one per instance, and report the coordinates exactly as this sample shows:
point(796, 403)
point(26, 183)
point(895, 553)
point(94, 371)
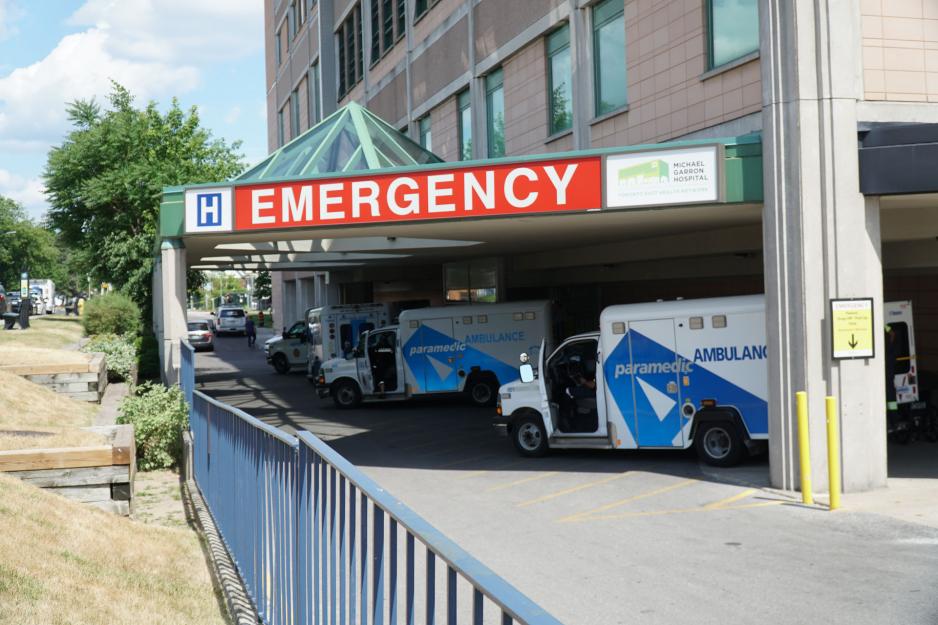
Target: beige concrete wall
point(441, 63)
point(900, 50)
point(443, 128)
point(390, 104)
point(498, 22)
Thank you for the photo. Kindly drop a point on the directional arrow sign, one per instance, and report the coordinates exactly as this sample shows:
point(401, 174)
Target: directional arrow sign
point(852, 328)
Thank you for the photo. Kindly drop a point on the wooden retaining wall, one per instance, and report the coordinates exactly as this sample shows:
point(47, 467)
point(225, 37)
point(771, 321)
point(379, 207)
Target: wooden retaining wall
point(102, 476)
point(84, 382)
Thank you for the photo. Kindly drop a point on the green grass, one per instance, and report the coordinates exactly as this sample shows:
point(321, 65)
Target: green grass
point(51, 332)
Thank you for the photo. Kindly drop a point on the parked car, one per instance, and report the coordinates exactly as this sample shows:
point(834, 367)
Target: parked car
point(15, 298)
point(201, 335)
point(231, 320)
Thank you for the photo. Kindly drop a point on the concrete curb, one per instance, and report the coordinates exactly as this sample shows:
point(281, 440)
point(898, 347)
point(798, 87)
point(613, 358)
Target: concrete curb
point(240, 608)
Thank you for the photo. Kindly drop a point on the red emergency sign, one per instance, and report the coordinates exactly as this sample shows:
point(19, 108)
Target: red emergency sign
point(533, 187)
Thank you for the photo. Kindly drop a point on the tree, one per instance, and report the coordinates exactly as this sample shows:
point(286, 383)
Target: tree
point(262, 286)
point(26, 246)
point(105, 182)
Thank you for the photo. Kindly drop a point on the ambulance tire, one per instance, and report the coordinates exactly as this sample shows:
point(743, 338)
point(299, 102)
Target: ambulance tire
point(529, 437)
point(345, 394)
point(280, 363)
point(482, 390)
point(720, 443)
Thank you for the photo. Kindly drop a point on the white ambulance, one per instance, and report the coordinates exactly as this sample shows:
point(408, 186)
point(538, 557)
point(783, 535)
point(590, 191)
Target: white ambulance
point(664, 375)
point(450, 349)
point(898, 318)
point(334, 331)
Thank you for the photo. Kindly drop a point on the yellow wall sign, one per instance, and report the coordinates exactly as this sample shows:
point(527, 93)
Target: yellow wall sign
point(852, 328)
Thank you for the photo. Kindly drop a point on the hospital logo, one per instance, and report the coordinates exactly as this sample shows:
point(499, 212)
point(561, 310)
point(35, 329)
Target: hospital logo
point(650, 172)
point(208, 210)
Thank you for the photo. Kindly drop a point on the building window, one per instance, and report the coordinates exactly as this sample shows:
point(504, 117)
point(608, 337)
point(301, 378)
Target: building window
point(422, 6)
point(465, 125)
point(733, 30)
point(423, 127)
point(609, 55)
point(313, 82)
point(278, 53)
point(349, 40)
point(471, 281)
point(495, 114)
point(559, 79)
point(291, 19)
point(300, 13)
point(281, 134)
point(387, 26)
point(294, 114)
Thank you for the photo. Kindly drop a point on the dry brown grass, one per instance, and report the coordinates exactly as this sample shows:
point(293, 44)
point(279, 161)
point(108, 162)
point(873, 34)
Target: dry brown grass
point(24, 403)
point(53, 332)
point(62, 562)
point(18, 355)
point(36, 438)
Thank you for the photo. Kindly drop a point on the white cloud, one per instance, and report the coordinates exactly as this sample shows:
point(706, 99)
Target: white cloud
point(233, 115)
point(177, 31)
point(33, 98)
point(154, 52)
point(30, 192)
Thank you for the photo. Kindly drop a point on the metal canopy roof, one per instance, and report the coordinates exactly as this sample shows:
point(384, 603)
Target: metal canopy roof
point(351, 139)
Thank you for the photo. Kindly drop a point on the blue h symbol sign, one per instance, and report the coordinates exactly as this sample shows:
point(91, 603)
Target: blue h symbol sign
point(208, 209)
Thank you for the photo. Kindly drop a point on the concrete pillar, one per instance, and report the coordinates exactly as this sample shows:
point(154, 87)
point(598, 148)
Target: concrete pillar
point(276, 298)
point(173, 304)
point(821, 237)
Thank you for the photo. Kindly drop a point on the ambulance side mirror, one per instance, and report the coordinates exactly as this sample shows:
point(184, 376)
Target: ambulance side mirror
point(527, 372)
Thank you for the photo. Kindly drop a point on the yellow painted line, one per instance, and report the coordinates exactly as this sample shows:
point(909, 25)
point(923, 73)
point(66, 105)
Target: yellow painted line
point(627, 500)
point(732, 499)
point(574, 489)
point(463, 461)
point(525, 480)
point(498, 468)
point(647, 513)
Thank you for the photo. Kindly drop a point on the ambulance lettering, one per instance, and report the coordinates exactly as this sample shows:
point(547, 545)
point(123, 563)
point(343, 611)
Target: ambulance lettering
point(496, 337)
point(731, 352)
point(646, 368)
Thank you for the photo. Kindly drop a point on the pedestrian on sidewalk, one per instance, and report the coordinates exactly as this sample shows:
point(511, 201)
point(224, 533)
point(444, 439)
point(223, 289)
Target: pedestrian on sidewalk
point(251, 332)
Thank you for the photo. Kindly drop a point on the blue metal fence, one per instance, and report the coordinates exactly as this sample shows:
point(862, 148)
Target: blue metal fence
point(317, 542)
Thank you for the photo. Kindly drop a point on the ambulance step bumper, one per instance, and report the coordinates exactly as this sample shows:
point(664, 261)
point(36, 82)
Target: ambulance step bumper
point(580, 442)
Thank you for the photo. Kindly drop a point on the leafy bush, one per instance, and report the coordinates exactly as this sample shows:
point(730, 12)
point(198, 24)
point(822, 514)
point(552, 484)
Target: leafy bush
point(158, 414)
point(148, 357)
point(113, 313)
point(119, 352)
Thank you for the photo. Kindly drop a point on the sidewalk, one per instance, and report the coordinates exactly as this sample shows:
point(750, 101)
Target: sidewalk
point(912, 491)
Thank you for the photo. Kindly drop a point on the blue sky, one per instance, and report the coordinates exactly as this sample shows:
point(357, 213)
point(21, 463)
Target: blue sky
point(208, 53)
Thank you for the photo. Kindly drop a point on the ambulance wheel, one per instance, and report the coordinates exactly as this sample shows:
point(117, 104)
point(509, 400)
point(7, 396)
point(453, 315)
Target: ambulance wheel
point(719, 443)
point(280, 363)
point(346, 394)
point(529, 437)
point(483, 391)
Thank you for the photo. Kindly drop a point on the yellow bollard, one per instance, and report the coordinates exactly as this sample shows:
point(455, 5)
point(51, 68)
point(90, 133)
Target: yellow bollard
point(833, 452)
point(804, 449)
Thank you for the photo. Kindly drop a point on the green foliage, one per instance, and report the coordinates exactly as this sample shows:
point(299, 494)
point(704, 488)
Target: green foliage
point(113, 313)
point(25, 245)
point(120, 354)
point(262, 285)
point(148, 357)
point(105, 182)
point(158, 414)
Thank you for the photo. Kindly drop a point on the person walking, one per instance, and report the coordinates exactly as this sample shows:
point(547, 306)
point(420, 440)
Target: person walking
point(251, 331)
